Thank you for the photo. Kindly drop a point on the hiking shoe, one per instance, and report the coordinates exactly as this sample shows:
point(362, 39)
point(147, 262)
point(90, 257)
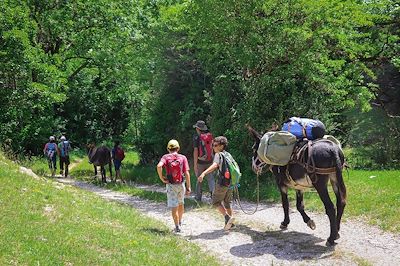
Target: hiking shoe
point(233, 226)
point(229, 223)
point(177, 229)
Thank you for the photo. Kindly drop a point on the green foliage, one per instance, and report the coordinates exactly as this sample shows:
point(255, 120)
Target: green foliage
point(145, 71)
point(374, 141)
point(67, 68)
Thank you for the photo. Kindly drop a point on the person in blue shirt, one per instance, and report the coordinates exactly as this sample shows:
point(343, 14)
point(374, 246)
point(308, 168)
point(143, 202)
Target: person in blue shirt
point(50, 151)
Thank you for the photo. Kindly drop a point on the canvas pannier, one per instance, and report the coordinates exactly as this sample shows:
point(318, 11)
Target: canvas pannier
point(276, 147)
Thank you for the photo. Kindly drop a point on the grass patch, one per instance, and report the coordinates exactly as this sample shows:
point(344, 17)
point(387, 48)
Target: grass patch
point(52, 224)
point(374, 195)
point(39, 164)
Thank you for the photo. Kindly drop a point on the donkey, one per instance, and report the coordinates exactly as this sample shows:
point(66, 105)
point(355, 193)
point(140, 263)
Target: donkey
point(100, 156)
point(325, 163)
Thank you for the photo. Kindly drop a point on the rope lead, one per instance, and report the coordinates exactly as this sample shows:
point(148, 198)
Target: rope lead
point(237, 197)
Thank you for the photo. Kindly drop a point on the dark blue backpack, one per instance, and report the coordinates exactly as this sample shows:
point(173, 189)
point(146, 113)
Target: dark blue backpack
point(51, 150)
point(304, 128)
point(64, 148)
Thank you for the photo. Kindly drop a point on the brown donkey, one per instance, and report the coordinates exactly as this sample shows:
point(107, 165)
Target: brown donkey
point(100, 156)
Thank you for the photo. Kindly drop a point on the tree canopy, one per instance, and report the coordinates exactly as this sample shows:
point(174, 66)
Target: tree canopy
point(146, 70)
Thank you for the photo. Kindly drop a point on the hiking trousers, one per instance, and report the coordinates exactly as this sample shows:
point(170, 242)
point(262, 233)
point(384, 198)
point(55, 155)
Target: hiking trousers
point(64, 160)
point(52, 163)
point(210, 181)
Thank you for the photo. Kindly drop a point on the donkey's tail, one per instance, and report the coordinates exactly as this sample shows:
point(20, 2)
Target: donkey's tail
point(339, 175)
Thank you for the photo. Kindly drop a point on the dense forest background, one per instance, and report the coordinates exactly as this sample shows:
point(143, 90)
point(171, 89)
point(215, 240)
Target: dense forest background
point(145, 71)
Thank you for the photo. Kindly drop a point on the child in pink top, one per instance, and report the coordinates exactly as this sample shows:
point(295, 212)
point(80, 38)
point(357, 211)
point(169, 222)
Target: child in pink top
point(177, 180)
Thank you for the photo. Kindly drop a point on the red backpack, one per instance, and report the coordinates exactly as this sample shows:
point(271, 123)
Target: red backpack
point(174, 170)
point(119, 154)
point(205, 147)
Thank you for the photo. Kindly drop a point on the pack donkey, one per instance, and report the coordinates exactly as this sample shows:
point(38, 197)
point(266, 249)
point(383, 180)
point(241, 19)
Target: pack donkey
point(315, 163)
point(100, 156)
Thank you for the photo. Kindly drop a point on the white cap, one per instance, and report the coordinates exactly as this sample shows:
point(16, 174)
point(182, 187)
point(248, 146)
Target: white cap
point(52, 138)
point(63, 138)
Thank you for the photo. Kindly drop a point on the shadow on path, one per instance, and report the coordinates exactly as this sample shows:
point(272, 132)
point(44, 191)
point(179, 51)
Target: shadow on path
point(210, 235)
point(286, 245)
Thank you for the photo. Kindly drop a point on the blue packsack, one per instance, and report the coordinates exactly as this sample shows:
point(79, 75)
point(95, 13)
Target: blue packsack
point(51, 150)
point(304, 128)
point(64, 151)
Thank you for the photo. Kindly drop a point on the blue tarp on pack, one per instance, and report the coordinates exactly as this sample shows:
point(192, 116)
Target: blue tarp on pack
point(304, 128)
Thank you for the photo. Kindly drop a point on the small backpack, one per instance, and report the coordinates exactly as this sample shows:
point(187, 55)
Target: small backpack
point(64, 148)
point(51, 150)
point(230, 171)
point(174, 170)
point(119, 154)
point(205, 147)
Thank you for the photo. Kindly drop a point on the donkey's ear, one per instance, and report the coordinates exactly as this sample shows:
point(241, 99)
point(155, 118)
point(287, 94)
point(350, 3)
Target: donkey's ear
point(253, 132)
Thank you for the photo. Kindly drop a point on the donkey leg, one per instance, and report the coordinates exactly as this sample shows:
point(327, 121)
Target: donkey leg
point(321, 187)
point(285, 204)
point(340, 203)
point(300, 208)
point(103, 174)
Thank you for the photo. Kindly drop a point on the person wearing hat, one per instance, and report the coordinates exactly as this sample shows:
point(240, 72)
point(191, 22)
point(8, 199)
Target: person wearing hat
point(50, 151)
point(64, 147)
point(176, 180)
point(202, 156)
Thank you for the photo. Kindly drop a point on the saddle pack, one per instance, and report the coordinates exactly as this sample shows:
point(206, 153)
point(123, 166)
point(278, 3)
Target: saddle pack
point(276, 147)
point(304, 128)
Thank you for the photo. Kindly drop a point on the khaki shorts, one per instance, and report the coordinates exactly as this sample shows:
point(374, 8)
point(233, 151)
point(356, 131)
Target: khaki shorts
point(222, 194)
point(175, 194)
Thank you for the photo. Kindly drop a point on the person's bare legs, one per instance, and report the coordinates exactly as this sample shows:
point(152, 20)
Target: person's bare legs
point(181, 210)
point(222, 209)
point(227, 213)
point(175, 215)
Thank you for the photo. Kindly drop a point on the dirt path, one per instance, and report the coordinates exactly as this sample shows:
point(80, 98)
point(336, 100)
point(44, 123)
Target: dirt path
point(257, 240)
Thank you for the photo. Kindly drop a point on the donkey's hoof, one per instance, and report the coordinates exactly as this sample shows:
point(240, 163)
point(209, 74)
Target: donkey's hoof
point(330, 243)
point(283, 226)
point(311, 224)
